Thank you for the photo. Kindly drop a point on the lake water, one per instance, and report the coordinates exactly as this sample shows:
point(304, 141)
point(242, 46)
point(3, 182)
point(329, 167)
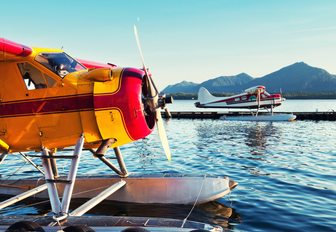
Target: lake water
point(286, 171)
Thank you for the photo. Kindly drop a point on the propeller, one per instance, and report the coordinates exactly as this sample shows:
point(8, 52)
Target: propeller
point(153, 102)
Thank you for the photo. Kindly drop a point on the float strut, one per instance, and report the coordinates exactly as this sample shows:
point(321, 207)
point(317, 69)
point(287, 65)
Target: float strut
point(100, 154)
point(120, 161)
point(97, 199)
point(72, 176)
point(52, 189)
point(110, 165)
point(53, 164)
point(102, 149)
point(31, 162)
point(23, 196)
point(123, 171)
point(58, 208)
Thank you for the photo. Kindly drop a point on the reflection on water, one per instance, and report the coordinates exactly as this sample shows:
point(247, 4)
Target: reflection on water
point(212, 213)
point(219, 214)
point(257, 136)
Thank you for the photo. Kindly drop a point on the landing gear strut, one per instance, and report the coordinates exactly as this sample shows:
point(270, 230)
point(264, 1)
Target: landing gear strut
point(60, 208)
point(100, 154)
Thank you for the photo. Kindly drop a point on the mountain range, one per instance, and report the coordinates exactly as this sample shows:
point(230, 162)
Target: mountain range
point(296, 78)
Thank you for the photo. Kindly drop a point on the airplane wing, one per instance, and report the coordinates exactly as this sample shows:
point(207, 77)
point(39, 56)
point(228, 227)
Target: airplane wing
point(10, 50)
point(91, 64)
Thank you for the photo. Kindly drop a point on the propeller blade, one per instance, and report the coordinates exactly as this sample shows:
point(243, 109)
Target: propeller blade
point(153, 100)
point(139, 48)
point(162, 134)
point(152, 88)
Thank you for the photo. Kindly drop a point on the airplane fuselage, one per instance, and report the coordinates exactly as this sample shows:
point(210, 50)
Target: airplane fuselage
point(250, 99)
point(238, 102)
point(39, 108)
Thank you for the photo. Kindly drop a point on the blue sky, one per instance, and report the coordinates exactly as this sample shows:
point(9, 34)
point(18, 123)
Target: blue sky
point(189, 40)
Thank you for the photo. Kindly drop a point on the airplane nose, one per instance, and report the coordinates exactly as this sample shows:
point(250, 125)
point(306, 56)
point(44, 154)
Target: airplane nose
point(148, 106)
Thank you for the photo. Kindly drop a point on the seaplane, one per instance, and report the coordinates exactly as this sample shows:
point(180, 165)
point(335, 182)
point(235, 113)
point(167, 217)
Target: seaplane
point(254, 99)
point(51, 102)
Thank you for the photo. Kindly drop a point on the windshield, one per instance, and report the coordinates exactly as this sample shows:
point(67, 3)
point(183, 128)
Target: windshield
point(59, 63)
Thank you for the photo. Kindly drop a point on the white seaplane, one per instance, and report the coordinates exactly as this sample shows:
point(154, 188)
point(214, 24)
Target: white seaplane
point(254, 98)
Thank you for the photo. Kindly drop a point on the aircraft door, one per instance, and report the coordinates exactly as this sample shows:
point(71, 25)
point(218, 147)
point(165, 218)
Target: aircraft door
point(48, 122)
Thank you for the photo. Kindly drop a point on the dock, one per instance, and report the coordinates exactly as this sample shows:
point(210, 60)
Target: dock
point(314, 116)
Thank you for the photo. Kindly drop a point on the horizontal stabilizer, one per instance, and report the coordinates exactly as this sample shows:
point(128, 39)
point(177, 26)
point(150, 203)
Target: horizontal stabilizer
point(204, 96)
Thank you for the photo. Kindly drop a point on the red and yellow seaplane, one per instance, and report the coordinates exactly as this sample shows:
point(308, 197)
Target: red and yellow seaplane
point(50, 101)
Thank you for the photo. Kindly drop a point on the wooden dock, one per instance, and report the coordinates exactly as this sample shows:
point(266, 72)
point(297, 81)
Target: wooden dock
point(315, 116)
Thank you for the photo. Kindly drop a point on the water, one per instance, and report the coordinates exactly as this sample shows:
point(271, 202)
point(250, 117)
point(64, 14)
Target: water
point(286, 173)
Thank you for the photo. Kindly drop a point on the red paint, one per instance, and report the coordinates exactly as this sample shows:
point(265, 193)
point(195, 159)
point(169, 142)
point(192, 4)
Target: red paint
point(128, 100)
point(47, 106)
point(91, 64)
point(14, 48)
point(276, 95)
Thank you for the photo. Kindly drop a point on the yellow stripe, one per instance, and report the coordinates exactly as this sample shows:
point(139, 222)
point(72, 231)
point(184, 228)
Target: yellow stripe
point(3, 146)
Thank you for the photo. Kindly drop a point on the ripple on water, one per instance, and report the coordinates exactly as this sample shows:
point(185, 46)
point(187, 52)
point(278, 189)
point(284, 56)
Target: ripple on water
point(286, 171)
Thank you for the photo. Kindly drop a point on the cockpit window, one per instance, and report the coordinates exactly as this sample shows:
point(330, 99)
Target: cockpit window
point(59, 63)
point(34, 78)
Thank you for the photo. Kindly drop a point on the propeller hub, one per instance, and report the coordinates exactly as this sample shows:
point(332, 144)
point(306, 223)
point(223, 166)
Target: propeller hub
point(163, 100)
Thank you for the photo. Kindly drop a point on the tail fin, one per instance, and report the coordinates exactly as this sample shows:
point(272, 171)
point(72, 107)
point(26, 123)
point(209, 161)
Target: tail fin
point(204, 96)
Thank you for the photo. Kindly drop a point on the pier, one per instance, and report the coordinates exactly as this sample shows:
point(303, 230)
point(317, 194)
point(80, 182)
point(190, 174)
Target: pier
point(315, 116)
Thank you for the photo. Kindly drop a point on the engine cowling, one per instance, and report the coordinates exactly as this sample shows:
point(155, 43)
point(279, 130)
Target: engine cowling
point(119, 109)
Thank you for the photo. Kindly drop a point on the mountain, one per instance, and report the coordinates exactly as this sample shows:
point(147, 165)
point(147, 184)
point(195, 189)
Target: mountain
point(227, 83)
point(218, 84)
point(182, 87)
point(296, 78)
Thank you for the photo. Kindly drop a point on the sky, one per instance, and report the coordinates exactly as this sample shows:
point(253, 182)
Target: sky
point(191, 40)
